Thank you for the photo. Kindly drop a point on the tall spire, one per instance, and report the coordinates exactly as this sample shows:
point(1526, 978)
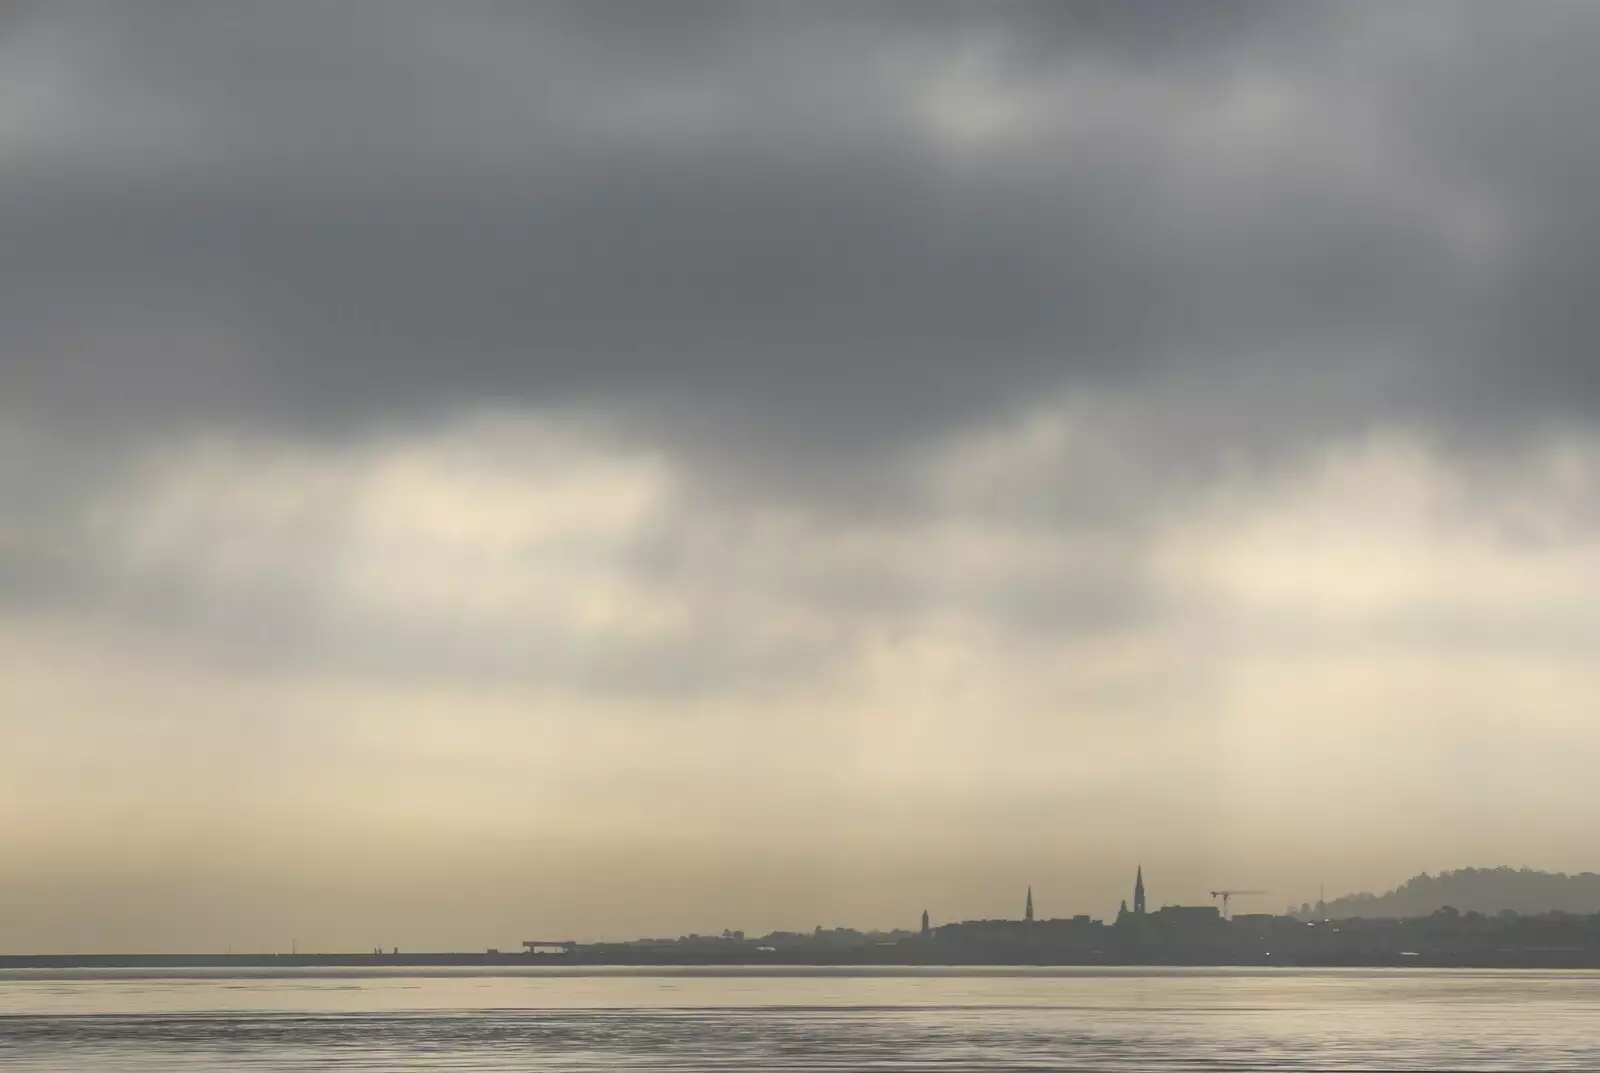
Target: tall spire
point(1138, 892)
point(1027, 913)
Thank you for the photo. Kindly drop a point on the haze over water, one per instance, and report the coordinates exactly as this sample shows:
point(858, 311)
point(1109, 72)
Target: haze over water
point(802, 1019)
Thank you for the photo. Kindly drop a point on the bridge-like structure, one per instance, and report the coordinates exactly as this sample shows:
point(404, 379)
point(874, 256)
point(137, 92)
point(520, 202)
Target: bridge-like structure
point(545, 946)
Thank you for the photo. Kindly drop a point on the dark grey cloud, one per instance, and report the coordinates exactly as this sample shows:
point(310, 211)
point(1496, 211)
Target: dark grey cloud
point(1509, 116)
point(741, 215)
point(796, 244)
point(799, 245)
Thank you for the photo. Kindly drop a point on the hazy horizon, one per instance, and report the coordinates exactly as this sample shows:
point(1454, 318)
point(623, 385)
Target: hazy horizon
point(472, 472)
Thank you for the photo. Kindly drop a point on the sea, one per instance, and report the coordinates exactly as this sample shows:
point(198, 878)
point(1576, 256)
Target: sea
point(798, 1019)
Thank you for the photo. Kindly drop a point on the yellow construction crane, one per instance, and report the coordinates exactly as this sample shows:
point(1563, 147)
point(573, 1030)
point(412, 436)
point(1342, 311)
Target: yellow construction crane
point(1226, 894)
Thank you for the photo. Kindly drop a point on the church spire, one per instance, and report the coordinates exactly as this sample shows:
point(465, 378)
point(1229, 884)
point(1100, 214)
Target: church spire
point(1027, 913)
point(1138, 892)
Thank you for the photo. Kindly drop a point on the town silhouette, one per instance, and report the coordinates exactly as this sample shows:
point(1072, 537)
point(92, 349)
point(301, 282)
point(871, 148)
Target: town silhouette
point(1179, 935)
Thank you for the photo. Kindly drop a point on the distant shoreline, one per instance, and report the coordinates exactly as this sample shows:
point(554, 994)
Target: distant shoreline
point(1510, 959)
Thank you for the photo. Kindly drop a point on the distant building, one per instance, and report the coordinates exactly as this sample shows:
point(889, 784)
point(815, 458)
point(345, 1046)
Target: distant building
point(1256, 924)
point(1027, 912)
point(926, 929)
point(1189, 916)
point(1125, 917)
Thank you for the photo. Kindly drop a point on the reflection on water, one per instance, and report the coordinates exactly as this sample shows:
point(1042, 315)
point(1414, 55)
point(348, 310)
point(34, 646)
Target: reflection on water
point(800, 1020)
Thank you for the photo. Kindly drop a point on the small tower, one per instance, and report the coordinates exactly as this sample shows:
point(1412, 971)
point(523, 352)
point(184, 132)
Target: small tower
point(1138, 892)
point(1027, 912)
point(927, 930)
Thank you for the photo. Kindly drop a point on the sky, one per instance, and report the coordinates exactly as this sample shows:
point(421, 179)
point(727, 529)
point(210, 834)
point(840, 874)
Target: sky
point(481, 471)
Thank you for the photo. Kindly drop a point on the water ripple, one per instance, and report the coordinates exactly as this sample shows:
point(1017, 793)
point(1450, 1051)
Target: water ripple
point(1281, 1022)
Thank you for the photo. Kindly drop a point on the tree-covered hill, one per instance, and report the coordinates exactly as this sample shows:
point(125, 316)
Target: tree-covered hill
point(1482, 890)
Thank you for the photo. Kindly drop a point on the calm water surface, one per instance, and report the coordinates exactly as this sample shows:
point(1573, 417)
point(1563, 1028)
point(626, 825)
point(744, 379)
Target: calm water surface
point(801, 1020)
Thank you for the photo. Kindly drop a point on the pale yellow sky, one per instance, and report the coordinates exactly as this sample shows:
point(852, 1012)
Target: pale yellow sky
point(435, 693)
